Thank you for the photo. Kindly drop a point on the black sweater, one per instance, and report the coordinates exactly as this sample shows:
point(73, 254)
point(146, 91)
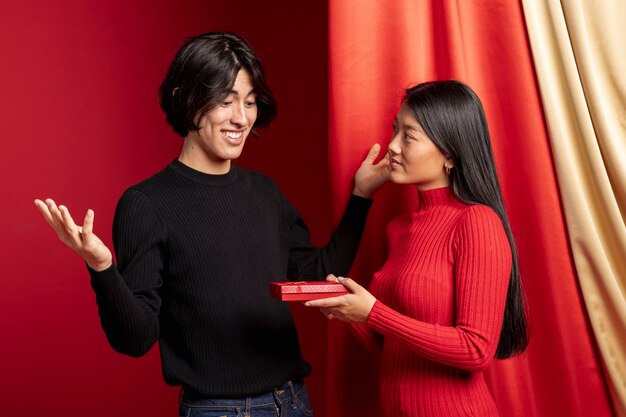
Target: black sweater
point(195, 255)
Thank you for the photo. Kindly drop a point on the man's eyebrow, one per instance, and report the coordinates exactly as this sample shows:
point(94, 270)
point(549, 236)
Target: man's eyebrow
point(235, 92)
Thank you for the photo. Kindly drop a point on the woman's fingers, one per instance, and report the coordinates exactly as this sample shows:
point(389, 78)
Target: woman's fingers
point(372, 154)
point(329, 315)
point(331, 278)
point(325, 302)
point(350, 284)
point(384, 161)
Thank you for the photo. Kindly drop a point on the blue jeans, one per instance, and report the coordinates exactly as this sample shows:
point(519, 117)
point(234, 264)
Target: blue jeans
point(288, 400)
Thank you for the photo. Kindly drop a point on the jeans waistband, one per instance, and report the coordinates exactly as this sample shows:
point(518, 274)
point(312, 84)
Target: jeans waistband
point(287, 391)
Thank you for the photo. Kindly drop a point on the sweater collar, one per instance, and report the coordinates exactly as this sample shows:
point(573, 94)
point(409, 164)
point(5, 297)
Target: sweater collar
point(203, 178)
point(443, 196)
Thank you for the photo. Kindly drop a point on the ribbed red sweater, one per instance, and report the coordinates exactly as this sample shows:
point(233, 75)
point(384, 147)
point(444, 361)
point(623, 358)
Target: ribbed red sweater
point(441, 296)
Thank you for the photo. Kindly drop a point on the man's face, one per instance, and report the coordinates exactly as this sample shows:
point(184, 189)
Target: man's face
point(224, 128)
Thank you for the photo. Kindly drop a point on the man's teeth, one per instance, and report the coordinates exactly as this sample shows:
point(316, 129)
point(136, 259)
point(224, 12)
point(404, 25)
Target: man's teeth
point(233, 135)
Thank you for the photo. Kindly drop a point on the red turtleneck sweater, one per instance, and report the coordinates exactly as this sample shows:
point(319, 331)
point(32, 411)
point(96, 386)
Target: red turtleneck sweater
point(439, 309)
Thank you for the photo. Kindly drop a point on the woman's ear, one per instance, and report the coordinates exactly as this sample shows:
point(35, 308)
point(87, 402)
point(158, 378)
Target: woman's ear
point(448, 165)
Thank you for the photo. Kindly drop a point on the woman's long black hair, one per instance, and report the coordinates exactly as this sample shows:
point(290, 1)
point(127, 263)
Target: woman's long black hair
point(452, 116)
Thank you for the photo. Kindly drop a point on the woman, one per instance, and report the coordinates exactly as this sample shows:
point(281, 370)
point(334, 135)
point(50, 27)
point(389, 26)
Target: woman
point(448, 298)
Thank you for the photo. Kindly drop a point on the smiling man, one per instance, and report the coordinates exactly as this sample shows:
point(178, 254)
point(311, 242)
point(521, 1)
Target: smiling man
point(222, 130)
point(198, 243)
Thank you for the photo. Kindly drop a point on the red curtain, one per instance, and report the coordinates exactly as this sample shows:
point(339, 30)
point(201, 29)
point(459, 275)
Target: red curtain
point(376, 50)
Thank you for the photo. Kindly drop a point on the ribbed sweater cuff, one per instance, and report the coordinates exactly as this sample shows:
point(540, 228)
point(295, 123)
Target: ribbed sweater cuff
point(380, 316)
point(106, 280)
point(358, 208)
point(362, 202)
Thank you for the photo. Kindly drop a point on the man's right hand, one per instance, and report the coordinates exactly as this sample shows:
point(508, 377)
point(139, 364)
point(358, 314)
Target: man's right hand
point(80, 239)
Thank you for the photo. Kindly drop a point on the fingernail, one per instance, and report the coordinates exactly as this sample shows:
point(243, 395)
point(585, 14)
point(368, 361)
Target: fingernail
point(340, 278)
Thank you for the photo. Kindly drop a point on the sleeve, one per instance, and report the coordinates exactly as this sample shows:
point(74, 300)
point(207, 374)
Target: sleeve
point(482, 273)
point(127, 295)
point(307, 262)
point(370, 339)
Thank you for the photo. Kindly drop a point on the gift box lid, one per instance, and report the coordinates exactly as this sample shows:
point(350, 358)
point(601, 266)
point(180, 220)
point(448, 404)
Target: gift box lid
point(306, 290)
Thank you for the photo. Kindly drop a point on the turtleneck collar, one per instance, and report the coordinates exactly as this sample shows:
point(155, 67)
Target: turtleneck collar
point(203, 178)
point(443, 196)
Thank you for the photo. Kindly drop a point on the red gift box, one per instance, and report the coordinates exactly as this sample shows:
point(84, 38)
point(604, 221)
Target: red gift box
point(306, 290)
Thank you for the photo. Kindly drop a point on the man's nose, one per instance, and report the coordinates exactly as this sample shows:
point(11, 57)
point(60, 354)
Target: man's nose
point(238, 115)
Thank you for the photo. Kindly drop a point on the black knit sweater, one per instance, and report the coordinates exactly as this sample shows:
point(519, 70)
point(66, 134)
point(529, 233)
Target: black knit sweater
point(195, 254)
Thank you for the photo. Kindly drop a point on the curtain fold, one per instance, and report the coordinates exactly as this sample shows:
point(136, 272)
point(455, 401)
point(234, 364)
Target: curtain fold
point(577, 53)
point(377, 49)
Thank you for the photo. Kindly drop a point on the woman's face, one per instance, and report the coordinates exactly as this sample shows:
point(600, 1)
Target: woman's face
point(415, 159)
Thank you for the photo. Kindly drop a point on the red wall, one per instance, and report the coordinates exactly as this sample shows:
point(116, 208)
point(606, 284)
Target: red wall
point(80, 122)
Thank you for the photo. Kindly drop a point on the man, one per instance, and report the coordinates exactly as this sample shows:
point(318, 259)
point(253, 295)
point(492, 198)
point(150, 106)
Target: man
point(197, 244)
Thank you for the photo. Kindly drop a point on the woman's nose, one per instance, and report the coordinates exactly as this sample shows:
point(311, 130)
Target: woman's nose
point(394, 147)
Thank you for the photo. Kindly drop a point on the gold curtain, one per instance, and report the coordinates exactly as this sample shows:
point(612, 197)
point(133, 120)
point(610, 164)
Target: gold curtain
point(580, 62)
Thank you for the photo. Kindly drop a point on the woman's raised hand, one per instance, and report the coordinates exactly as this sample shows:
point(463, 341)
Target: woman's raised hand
point(370, 176)
point(78, 238)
